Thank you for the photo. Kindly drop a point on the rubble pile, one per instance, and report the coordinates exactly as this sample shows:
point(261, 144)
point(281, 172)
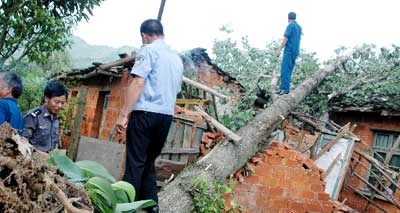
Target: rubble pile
point(28, 184)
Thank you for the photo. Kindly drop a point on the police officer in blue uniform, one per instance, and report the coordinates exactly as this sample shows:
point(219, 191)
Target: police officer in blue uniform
point(291, 42)
point(150, 101)
point(42, 124)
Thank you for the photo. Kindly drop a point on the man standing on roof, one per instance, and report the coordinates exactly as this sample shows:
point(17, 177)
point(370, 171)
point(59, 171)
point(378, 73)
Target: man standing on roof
point(10, 89)
point(150, 101)
point(42, 123)
point(291, 42)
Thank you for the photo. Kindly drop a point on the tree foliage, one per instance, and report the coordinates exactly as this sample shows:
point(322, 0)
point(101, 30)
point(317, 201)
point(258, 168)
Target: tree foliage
point(368, 79)
point(37, 28)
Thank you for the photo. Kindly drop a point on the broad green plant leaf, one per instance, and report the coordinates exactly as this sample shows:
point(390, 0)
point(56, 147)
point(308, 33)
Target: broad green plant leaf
point(100, 188)
point(93, 169)
point(66, 166)
point(123, 207)
point(127, 188)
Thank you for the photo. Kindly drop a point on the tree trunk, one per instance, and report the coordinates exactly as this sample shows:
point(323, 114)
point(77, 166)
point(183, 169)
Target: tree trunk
point(227, 157)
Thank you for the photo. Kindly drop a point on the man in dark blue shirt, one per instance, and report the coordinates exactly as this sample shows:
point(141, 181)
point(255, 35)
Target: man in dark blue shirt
point(10, 89)
point(291, 42)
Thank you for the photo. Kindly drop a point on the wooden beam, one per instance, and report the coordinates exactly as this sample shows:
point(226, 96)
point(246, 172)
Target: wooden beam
point(391, 198)
point(373, 173)
point(330, 167)
point(204, 87)
point(300, 117)
point(330, 144)
point(365, 197)
point(376, 163)
point(80, 112)
point(227, 132)
point(118, 62)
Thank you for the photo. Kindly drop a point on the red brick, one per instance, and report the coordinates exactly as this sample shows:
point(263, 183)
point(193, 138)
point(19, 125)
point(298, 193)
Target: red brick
point(262, 201)
point(274, 160)
point(279, 172)
point(310, 164)
point(276, 191)
point(287, 154)
point(317, 188)
point(309, 195)
point(271, 152)
point(278, 203)
point(296, 206)
point(323, 196)
point(313, 207)
point(253, 178)
point(292, 163)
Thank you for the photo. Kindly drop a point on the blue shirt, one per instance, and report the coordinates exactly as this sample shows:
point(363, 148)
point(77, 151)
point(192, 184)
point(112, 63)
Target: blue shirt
point(162, 69)
point(293, 33)
point(9, 112)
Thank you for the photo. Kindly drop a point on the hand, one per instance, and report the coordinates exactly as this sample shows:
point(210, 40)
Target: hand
point(122, 123)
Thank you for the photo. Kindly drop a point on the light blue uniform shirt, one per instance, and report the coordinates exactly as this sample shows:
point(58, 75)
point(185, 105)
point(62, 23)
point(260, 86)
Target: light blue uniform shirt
point(162, 69)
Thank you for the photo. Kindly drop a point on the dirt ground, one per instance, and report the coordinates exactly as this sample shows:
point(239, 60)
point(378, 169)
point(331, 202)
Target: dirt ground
point(25, 178)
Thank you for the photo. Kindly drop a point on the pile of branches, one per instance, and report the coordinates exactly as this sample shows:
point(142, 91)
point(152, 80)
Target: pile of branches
point(28, 184)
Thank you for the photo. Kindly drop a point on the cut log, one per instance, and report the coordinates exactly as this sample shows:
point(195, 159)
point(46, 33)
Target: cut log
point(226, 157)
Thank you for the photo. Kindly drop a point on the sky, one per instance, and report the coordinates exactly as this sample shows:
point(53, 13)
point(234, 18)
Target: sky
point(327, 24)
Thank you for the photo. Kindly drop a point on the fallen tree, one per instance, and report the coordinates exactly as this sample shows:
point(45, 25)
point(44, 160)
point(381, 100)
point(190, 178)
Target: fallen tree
point(227, 157)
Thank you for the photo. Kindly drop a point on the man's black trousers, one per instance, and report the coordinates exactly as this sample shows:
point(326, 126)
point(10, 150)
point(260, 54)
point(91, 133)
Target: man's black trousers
point(145, 137)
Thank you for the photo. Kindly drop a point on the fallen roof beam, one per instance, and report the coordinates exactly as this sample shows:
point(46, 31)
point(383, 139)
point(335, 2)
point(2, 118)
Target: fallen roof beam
point(204, 87)
point(227, 132)
point(118, 62)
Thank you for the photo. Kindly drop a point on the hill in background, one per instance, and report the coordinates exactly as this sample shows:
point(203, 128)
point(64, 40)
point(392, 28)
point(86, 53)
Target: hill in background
point(82, 54)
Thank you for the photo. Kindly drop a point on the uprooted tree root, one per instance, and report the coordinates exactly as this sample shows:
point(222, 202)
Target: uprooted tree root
point(28, 184)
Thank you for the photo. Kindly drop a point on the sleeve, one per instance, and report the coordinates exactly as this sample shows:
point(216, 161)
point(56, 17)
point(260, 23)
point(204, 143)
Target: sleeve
point(3, 112)
point(143, 63)
point(29, 126)
point(288, 31)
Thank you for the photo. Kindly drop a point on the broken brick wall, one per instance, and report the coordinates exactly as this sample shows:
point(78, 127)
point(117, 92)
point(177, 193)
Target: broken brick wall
point(98, 122)
point(209, 77)
point(366, 123)
point(282, 182)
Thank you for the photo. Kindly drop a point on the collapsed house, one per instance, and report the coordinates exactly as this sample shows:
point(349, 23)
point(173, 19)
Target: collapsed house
point(345, 164)
point(101, 91)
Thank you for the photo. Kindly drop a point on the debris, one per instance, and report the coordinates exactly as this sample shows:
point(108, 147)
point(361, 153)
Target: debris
point(28, 184)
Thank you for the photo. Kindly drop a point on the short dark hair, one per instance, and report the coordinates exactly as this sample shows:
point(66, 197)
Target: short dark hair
point(55, 89)
point(292, 16)
point(152, 27)
point(13, 81)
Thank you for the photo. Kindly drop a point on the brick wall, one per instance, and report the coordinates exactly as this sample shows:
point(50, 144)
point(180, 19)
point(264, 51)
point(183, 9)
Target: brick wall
point(208, 76)
point(282, 182)
point(365, 123)
point(90, 125)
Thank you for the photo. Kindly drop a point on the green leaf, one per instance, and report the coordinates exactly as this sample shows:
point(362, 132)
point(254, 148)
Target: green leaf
point(105, 190)
point(93, 169)
point(127, 188)
point(121, 196)
point(66, 166)
point(122, 207)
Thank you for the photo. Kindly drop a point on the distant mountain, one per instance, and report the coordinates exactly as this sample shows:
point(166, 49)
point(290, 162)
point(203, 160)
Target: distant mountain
point(83, 54)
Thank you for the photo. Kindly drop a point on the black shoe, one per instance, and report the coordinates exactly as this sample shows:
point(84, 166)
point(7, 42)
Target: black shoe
point(153, 209)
